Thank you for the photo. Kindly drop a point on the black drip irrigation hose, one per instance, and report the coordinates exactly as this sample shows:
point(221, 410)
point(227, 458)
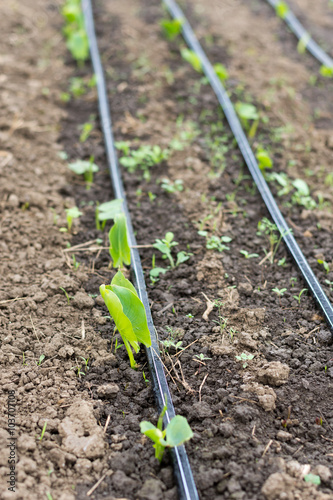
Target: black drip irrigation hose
point(252, 164)
point(301, 33)
point(182, 469)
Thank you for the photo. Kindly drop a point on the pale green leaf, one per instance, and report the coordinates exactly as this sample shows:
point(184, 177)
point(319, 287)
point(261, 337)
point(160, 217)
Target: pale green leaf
point(178, 431)
point(119, 247)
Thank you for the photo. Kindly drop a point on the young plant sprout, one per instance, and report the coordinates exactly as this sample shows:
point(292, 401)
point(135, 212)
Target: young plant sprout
point(71, 214)
point(43, 431)
point(143, 158)
point(249, 117)
point(298, 297)
point(74, 31)
point(85, 168)
point(128, 313)
point(155, 272)
point(165, 245)
point(221, 72)
point(279, 292)
point(176, 433)
point(215, 242)
point(244, 357)
point(172, 187)
point(171, 29)
point(86, 130)
point(324, 264)
point(192, 58)
point(201, 357)
point(281, 9)
point(326, 71)
point(269, 229)
point(119, 248)
point(248, 255)
point(264, 160)
point(107, 211)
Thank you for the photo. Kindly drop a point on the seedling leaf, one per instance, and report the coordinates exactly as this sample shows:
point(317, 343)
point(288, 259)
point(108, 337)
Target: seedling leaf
point(192, 58)
point(119, 248)
point(178, 431)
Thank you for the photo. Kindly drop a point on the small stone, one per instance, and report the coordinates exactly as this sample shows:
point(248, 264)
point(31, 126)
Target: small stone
point(246, 340)
point(276, 484)
point(274, 373)
point(26, 443)
point(151, 490)
point(40, 296)
point(83, 466)
point(284, 436)
point(323, 472)
point(13, 200)
point(245, 288)
point(108, 391)
point(82, 300)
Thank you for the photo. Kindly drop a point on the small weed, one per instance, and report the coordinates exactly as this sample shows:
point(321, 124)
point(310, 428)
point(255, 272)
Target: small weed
point(281, 9)
point(249, 117)
point(324, 264)
point(71, 214)
point(165, 245)
point(171, 29)
point(85, 168)
point(41, 359)
point(76, 264)
point(299, 296)
point(248, 255)
point(172, 187)
point(86, 129)
point(74, 31)
point(66, 294)
point(201, 357)
point(143, 158)
point(279, 292)
point(43, 431)
point(191, 57)
point(244, 357)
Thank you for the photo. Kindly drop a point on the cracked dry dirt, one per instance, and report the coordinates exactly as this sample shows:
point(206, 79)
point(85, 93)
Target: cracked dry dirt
point(259, 429)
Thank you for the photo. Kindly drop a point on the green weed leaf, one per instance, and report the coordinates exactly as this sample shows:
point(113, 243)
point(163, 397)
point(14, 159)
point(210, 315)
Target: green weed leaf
point(192, 58)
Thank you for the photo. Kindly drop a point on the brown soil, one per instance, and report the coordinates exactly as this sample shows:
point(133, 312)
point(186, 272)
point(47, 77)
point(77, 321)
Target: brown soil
point(258, 429)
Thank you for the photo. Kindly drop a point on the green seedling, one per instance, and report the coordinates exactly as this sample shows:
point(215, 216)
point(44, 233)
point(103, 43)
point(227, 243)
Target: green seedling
point(155, 272)
point(264, 160)
point(55, 216)
point(142, 158)
point(74, 31)
point(145, 378)
point(128, 313)
point(85, 168)
point(326, 71)
point(249, 117)
point(66, 294)
point(86, 130)
point(325, 265)
point(191, 57)
point(172, 187)
point(77, 86)
point(167, 344)
point(281, 9)
point(248, 255)
point(245, 357)
point(85, 360)
point(221, 71)
point(41, 359)
point(312, 478)
point(215, 242)
point(76, 264)
point(165, 245)
point(23, 359)
point(301, 196)
point(201, 357)
point(171, 29)
point(151, 196)
point(48, 495)
point(299, 296)
point(269, 229)
point(176, 433)
point(119, 248)
point(107, 211)
point(43, 431)
point(282, 262)
point(293, 281)
point(189, 315)
point(279, 292)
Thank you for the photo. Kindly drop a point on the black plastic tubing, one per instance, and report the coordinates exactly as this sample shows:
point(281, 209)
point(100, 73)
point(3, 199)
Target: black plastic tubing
point(301, 33)
point(252, 164)
point(182, 469)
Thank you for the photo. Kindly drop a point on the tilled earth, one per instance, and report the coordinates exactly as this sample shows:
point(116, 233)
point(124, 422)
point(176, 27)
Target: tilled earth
point(259, 428)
